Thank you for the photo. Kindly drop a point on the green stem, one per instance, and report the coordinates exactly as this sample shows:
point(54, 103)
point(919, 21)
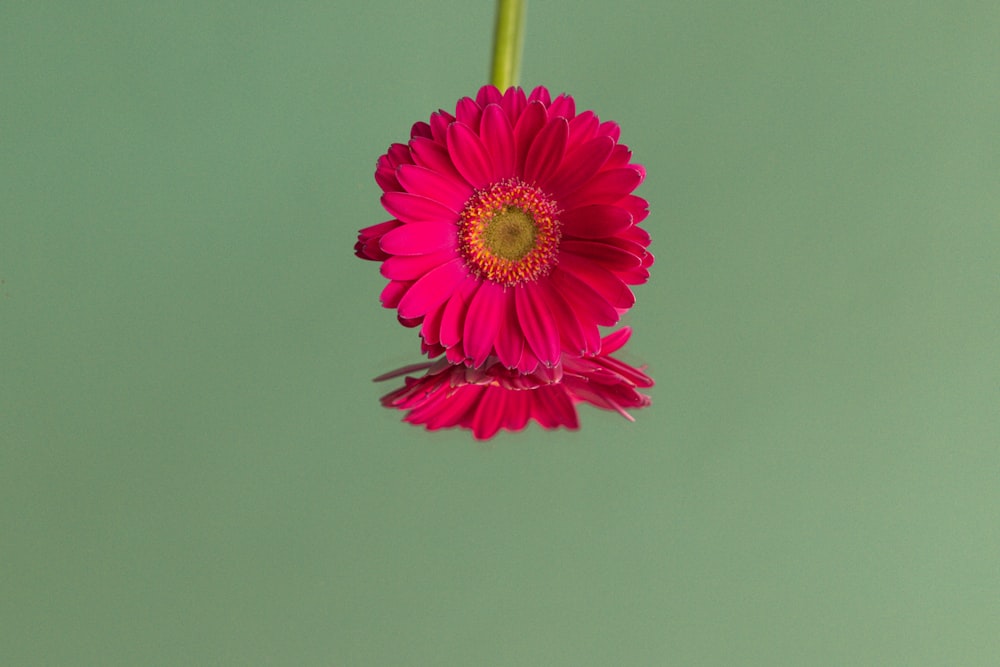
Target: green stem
point(507, 42)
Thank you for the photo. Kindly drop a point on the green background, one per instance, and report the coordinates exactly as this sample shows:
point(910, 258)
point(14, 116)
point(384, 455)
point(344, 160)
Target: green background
point(195, 468)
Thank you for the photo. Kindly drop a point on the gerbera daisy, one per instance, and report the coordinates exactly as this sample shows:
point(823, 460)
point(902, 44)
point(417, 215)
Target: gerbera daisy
point(514, 231)
point(492, 397)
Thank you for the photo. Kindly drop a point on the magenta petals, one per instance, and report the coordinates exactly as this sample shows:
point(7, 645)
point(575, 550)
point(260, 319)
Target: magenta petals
point(414, 208)
point(485, 316)
point(596, 221)
point(470, 156)
point(419, 238)
point(442, 188)
point(546, 151)
point(515, 235)
point(498, 137)
point(432, 290)
point(491, 399)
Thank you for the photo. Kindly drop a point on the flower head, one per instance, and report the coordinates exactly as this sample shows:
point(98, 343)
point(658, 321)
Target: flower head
point(493, 397)
point(514, 233)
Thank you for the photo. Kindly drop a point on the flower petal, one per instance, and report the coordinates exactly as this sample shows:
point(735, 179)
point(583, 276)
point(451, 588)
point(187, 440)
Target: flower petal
point(513, 103)
point(434, 156)
point(400, 267)
point(603, 281)
point(510, 340)
point(607, 187)
point(582, 127)
point(393, 292)
point(453, 319)
point(595, 221)
point(430, 330)
point(563, 106)
point(539, 329)
point(590, 307)
point(579, 166)
point(420, 238)
point(489, 413)
point(468, 112)
point(615, 341)
point(525, 131)
point(440, 120)
point(448, 190)
point(608, 256)
point(367, 246)
point(482, 322)
point(433, 289)
point(414, 208)
point(470, 156)
point(571, 335)
point(498, 136)
point(546, 152)
point(554, 408)
point(488, 95)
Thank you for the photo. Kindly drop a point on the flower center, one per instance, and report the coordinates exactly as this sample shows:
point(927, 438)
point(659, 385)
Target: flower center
point(509, 233)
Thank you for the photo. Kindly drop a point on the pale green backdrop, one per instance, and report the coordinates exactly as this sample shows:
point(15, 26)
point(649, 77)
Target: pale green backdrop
point(194, 467)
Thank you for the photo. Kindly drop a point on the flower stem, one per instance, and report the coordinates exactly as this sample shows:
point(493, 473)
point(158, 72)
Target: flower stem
point(507, 42)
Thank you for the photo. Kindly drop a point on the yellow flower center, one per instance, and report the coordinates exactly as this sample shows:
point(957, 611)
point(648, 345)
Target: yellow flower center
point(509, 233)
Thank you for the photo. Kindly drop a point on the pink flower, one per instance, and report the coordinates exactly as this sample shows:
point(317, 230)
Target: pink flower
point(493, 397)
point(514, 233)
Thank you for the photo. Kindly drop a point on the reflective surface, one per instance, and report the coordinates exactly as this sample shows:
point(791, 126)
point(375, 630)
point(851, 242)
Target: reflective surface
point(194, 468)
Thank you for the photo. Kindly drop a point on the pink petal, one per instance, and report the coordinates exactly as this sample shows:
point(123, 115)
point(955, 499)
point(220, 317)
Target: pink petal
point(498, 137)
point(540, 94)
point(393, 292)
point(582, 128)
point(590, 307)
point(399, 267)
point(367, 246)
point(605, 283)
point(513, 103)
point(610, 128)
point(539, 329)
point(607, 187)
point(579, 166)
point(453, 320)
point(434, 156)
point(528, 363)
point(489, 413)
point(430, 331)
point(450, 411)
point(420, 238)
point(620, 157)
point(615, 341)
point(637, 206)
point(414, 208)
point(440, 120)
point(421, 129)
point(488, 95)
point(525, 131)
point(448, 190)
point(518, 409)
point(563, 106)
point(510, 341)
point(484, 318)
point(608, 256)
point(468, 113)
point(595, 221)
point(433, 289)
point(385, 175)
point(553, 408)
point(405, 370)
point(469, 155)
point(546, 151)
point(571, 335)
